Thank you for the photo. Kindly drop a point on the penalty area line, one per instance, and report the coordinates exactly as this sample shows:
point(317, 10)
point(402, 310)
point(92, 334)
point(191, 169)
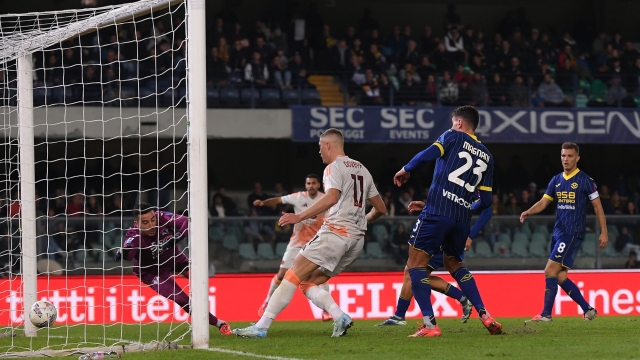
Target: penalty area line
point(243, 353)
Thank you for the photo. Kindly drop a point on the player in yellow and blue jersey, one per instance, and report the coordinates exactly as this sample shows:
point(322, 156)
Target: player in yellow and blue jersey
point(463, 166)
point(572, 190)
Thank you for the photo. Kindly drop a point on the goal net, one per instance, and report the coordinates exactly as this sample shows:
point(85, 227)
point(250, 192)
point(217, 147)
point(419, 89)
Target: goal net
point(96, 118)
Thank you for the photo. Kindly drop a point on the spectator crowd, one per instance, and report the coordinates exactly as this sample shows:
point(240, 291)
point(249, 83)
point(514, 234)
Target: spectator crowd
point(518, 65)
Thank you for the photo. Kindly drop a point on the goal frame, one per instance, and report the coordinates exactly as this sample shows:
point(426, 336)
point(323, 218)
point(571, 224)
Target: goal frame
point(196, 152)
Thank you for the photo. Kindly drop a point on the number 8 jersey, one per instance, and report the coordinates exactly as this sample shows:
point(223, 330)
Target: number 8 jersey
point(347, 217)
point(465, 165)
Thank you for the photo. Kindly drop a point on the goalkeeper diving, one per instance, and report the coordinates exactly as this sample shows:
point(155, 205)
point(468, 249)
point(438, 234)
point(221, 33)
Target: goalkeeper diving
point(152, 243)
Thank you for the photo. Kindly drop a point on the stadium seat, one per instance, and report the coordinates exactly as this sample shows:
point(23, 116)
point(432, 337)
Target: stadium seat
point(270, 98)
point(374, 250)
point(541, 229)
point(589, 247)
point(470, 254)
point(610, 250)
point(521, 237)
point(505, 239)
point(230, 242)
point(501, 249)
point(290, 97)
point(235, 228)
point(483, 249)
point(213, 97)
point(363, 255)
point(539, 238)
point(235, 78)
point(380, 233)
point(249, 97)
point(281, 248)
point(265, 251)
point(538, 247)
point(311, 97)
point(215, 234)
point(519, 247)
point(229, 97)
point(613, 230)
point(526, 229)
point(246, 252)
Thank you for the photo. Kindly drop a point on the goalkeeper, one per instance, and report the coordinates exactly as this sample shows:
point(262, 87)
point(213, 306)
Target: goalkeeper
point(152, 243)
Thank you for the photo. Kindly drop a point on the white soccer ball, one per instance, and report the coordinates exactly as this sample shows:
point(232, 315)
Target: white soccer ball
point(43, 314)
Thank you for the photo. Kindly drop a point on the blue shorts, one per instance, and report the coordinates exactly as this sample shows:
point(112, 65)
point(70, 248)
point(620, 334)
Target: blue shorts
point(436, 234)
point(564, 249)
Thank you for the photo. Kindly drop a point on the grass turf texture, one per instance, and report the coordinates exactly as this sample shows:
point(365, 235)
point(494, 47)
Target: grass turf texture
point(565, 338)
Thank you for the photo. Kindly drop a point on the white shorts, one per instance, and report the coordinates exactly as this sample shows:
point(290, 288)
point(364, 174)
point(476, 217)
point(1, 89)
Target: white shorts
point(289, 255)
point(332, 252)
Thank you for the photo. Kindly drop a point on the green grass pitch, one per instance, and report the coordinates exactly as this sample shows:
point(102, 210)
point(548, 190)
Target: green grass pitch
point(564, 338)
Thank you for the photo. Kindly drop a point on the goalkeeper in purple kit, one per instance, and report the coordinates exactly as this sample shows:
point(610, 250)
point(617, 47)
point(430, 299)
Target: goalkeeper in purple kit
point(152, 244)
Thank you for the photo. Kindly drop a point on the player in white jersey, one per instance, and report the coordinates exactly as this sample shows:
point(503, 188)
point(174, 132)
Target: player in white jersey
point(302, 231)
point(347, 184)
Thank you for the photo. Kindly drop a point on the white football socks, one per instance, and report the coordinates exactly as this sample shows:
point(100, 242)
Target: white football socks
point(322, 299)
point(274, 285)
point(279, 300)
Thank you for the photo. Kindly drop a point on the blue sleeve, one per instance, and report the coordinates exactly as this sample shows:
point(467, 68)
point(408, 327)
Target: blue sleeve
point(484, 218)
point(484, 202)
point(427, 155)
point(550, 193)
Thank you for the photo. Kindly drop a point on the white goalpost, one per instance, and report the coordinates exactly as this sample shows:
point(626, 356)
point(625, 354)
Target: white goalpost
point(102, 109)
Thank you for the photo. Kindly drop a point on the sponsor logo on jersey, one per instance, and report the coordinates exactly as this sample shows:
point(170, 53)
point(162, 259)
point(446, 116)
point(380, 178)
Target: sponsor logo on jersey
point(456, 199)
point(305, 205)
point(129, 241)
point(566, 207)
point(574, 185)
point(557, 185)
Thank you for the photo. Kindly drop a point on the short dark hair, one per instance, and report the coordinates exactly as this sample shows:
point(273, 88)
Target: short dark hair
point(142, 208)
point(313, 176)
point(570, 145)
point(469, 114)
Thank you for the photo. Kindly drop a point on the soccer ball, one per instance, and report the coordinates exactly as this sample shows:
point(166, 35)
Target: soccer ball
point(43, 314)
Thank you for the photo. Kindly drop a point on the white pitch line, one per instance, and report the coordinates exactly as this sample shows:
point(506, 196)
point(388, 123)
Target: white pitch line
point(234, 352)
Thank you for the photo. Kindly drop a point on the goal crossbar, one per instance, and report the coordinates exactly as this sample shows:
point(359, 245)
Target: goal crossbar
point(21, 43)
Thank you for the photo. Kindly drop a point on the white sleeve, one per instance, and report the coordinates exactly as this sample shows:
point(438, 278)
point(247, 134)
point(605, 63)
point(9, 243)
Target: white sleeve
point(290, 199)
point(332, 178)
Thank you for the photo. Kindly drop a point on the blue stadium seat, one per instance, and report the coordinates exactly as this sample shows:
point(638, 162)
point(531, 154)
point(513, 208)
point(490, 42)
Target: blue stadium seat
point(247, 95)
point(290, 97)
point(235, 78)
point(311, 97)
point(213, 96)
point(270, 98)
point(229, 97)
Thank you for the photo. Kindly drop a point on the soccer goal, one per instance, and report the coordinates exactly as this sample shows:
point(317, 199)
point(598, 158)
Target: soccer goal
point(102, 108)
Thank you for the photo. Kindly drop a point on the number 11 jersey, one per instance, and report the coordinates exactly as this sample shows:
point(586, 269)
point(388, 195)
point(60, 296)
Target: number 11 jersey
point(347, 217)
point(465, 165)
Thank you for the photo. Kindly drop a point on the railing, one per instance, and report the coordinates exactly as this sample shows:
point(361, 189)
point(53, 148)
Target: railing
point(427, 88)
point(245, 244)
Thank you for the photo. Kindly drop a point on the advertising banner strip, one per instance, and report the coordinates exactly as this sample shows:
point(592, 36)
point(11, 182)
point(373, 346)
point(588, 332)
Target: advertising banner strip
point(374, 124)
point(117, 299)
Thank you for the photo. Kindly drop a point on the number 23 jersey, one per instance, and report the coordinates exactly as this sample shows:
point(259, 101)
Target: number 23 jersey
point(347, 217)
point(465, 165)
